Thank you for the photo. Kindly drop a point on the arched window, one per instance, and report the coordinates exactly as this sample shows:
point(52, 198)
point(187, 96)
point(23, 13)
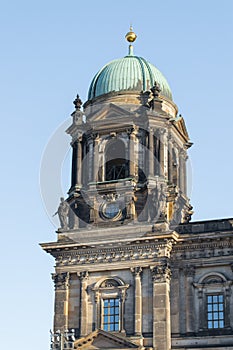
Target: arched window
point(110, 299)
point(116, 166)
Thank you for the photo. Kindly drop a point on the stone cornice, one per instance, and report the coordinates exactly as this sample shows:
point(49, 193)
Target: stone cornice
point(203, 248)
point(147, 250)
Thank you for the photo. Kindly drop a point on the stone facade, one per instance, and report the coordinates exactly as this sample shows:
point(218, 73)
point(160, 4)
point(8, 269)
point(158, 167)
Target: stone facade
point(132, 270)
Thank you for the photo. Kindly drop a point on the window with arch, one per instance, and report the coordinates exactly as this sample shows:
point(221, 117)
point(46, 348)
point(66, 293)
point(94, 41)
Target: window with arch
point(116, 166)
point(214, 303)
point(109, 299)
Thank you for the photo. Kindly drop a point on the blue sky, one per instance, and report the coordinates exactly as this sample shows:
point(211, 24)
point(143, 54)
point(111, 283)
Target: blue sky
point(50, 50)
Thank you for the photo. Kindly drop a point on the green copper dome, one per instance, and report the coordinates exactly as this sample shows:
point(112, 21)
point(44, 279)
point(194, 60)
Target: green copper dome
point(130, 73)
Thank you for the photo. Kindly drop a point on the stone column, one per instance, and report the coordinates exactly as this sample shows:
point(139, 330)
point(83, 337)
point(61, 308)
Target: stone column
point(132, 141)
point(182, 170)
point(165, 153)
point(137, 300)
point(185, 173)
point(161, 275)
point(90, 160)
point(151, 152)
point(181, 173)
point(96, 158)
point(122, 310)
point(79, 162)
point(74, 165)
point(189, 272)
point(161, 151)
point(170, 161)
point(201, 308)
point(97, 316)
point(83, 276)
point(175, 298)
point(61, 282)
point(76, 176)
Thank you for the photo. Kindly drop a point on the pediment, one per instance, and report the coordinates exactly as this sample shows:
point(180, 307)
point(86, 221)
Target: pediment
point(110, 111)
point(103, 340)
point(180, 125)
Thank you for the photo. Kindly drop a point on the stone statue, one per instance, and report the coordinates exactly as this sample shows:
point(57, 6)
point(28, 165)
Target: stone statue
point(130, 208)
point(63, 211)
point(155, 90)
point(77, 102)
point(157, 200)
point(187, 216)
point(153, 200)
point(153, 94)
point(177, 212)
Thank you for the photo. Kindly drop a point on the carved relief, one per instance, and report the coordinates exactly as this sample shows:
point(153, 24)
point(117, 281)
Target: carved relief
point(109, 283)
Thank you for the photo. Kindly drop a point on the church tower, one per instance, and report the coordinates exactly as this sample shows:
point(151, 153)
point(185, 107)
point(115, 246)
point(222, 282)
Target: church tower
point(120, 222)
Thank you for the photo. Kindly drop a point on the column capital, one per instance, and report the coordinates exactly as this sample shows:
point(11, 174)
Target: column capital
point(160, 131)
point(136, 271)
point(94, 136)
point(161, 273)
point(83, 275)
point(61, 280)
point(132, 131)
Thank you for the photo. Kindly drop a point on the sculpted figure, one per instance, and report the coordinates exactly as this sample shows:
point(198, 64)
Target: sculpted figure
point(156, 202)
point(77, 102)
point(153, 94)
point(152, 204)
point(177, 212)
point(130, 209)
point(63, 211)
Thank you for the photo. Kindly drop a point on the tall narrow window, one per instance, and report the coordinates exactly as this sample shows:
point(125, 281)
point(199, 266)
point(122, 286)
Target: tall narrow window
point(111, 314)
point(174, 168)
point(116, 165)
point(215, 311)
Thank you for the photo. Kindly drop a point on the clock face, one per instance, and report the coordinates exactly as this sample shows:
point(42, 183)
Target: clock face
point(111, 211)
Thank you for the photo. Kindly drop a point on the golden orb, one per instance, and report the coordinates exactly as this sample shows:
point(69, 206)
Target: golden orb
point(131, 36)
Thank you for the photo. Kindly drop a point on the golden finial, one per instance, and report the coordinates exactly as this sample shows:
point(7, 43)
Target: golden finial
point(131, 36)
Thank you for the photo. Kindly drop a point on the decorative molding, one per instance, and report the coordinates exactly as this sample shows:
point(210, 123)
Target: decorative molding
point(161, 273)
point(61, 280)
point(116, 254)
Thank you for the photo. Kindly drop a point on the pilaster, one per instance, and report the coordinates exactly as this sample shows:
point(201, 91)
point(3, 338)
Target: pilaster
point(61, 282)
point(83, 276)
point(132, 140)
point(137, 300)
point(189, 272)
point(151, 152)
point(96, 158)
point(161, 275)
